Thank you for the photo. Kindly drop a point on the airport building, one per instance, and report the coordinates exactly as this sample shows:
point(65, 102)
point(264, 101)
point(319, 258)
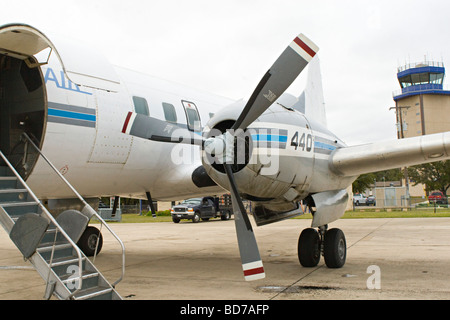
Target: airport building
point(422, 104)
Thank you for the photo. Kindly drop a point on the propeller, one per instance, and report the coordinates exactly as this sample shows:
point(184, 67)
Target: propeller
point(279, 77)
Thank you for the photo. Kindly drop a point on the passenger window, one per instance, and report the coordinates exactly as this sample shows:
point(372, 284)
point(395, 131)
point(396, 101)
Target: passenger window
point(169, 112)
point(193, 118)
point(141, 106)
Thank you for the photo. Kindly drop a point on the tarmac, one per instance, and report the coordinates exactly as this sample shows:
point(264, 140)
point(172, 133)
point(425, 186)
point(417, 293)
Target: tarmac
point(397, 258)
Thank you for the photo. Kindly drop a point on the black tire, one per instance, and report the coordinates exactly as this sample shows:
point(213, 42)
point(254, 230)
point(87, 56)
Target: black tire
point(309, 248)
point(196, 217)
point(225, 216)
point(335, 248)
point(176, 220)
point(88, 241)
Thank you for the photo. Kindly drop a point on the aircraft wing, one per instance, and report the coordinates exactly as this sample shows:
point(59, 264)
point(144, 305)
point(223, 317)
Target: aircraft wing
point(357, 160)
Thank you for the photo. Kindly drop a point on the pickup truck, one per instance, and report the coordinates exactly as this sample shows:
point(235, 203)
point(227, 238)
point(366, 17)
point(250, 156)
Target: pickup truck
point(205, 208)
point(437, 197)
point(359, 199)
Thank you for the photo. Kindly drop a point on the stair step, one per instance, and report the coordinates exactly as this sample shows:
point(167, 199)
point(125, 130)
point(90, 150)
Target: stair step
point(66, 261)
point(90, 279)
point(10, 182)
point(48, 247)
point(16, 209)
point(18, 204)
point(5, 170)
point(94, 293)
point(86, 275)
point(12, 190)
point(49, 237)
point(67, 264)
point(61, 250)
point(13, 196)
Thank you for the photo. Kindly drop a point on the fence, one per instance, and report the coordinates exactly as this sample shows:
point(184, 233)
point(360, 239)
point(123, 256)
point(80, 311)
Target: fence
point(396, 198)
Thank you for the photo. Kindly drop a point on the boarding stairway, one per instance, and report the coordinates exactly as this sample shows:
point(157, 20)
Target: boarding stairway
point(50, 243)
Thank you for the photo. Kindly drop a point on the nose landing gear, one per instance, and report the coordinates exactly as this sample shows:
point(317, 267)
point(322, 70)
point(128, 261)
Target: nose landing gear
point(329, 243)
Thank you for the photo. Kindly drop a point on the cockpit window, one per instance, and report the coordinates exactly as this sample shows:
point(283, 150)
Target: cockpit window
point(193, 118)
point(169, 112)
point(141, 106)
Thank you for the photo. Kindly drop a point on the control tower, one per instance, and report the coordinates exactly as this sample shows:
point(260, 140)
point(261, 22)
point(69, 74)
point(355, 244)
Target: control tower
point(422, 106)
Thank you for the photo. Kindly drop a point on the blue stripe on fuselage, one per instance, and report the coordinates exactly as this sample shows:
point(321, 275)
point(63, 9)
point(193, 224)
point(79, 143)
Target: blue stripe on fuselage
point(71, 115)
point(269, 138)
point(321, 145)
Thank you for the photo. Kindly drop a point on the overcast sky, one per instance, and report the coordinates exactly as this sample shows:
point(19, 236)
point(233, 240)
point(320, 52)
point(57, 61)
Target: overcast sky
point(225, 47)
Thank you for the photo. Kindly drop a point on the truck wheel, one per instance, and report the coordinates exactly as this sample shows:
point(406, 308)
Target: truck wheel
point(196, 217)
point(176, 220)
point(225, 216)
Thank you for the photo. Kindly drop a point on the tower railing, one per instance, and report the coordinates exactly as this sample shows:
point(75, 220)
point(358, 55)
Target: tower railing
point(419, 88)
point(420, 64)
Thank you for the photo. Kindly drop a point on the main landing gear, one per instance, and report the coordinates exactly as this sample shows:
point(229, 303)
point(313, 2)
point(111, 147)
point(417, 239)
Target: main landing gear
point(329, 243)
point(91, 241)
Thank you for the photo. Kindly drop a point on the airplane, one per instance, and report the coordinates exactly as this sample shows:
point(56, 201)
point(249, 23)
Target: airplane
point(115, 132)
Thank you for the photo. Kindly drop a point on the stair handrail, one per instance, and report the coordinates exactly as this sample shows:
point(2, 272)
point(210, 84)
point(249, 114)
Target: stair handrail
point(53, 220)
point(87, 207)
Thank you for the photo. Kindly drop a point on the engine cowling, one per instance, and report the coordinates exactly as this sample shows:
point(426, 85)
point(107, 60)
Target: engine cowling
point(268, 171)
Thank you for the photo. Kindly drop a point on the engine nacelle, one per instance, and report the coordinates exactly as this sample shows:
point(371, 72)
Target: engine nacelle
point(269, 171)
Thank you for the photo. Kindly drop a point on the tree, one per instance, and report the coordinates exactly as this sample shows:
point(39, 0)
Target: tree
point(390, 175)
point(366, 180)
point(363, 182)
point(435, 176)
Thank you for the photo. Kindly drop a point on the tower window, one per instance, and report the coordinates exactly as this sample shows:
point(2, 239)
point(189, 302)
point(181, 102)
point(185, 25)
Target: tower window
point(421, 78)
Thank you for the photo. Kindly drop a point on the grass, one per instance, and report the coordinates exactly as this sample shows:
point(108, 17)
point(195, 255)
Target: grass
point(420, 213)
point(358, 214)
point(136, 218)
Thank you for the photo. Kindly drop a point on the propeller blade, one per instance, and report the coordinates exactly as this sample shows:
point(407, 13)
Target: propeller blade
point(251, 260)
point(145, 127)
point(279, 77)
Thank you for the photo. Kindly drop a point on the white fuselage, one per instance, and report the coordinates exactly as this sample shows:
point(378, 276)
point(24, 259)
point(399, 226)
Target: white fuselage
point(110, 134)
point(84, 139)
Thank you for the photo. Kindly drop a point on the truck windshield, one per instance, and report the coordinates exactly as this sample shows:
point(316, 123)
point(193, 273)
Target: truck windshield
point(192, 201)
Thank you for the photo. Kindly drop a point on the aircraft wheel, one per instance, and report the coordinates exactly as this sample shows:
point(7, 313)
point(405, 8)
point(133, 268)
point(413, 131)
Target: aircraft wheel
point(334, 248)
point(309, 248)
point(88, 241)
